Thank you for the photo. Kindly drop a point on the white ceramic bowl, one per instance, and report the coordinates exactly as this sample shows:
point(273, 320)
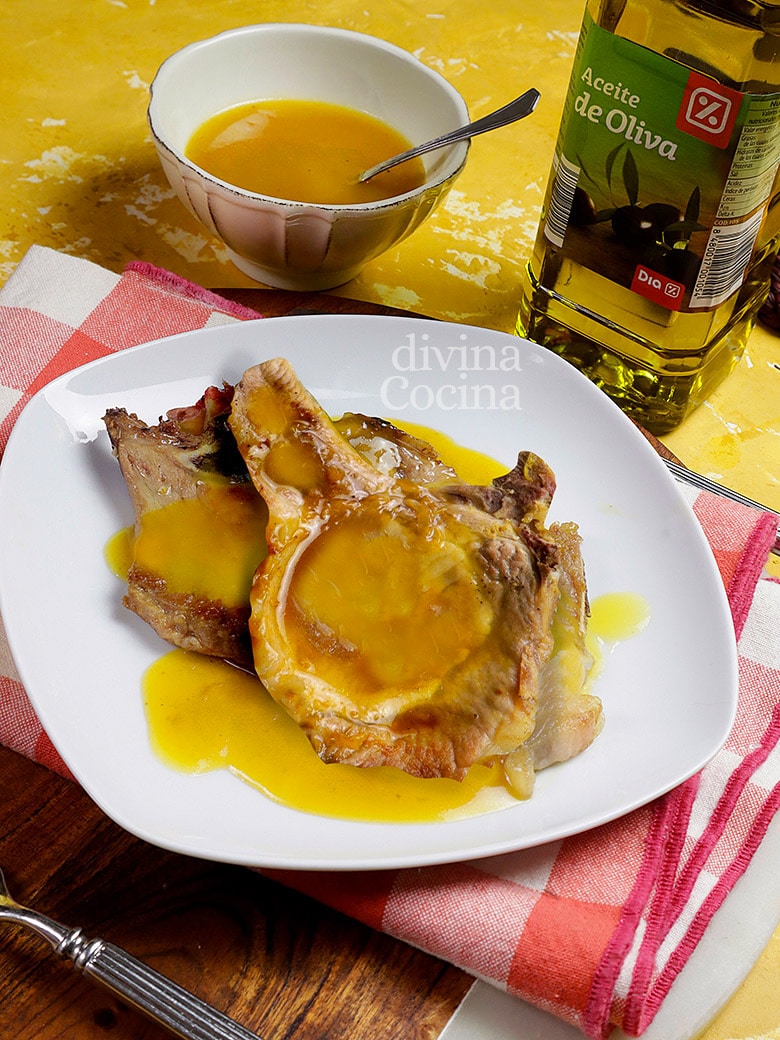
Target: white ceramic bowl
point(293, 245)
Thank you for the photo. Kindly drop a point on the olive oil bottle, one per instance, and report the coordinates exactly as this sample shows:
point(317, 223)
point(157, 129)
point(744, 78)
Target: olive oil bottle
point(661, 220)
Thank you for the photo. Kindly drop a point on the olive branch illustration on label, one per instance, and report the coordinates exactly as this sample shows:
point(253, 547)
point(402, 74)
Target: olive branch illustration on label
point(659, 230)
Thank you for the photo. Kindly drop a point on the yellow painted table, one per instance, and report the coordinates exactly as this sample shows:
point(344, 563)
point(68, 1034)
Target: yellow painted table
point(78, 173)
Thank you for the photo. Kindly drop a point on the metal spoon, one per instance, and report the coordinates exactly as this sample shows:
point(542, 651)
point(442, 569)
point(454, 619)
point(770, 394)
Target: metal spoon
point(154, 994)
point(517, 109)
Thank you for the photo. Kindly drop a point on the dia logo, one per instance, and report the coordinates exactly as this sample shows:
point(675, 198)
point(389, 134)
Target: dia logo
point(658, 288)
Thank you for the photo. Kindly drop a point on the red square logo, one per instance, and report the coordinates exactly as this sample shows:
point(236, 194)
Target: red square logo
point(658, 288)
point(708, 110)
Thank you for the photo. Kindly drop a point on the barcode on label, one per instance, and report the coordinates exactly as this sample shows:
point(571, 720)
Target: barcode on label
point(725, 260)
point(561, 199)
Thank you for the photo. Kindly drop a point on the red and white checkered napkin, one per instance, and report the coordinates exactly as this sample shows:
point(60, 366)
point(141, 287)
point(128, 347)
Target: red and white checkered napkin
point(594, 928)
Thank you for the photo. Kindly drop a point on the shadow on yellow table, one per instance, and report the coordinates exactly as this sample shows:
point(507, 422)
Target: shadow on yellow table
point(79, 174)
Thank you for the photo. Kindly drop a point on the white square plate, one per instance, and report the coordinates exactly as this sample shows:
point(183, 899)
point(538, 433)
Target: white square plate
point(669, 694)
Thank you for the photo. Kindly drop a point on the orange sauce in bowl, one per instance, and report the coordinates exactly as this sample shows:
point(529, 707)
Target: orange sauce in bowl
point(303, 151)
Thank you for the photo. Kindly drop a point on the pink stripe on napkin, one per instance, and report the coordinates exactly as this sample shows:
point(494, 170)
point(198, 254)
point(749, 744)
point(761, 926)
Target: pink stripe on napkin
point(740, 545)
point(180, 288)
point(594, 928)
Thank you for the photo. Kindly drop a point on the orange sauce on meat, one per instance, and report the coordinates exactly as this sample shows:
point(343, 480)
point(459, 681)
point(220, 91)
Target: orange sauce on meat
point(204, 714)
point(303, 151)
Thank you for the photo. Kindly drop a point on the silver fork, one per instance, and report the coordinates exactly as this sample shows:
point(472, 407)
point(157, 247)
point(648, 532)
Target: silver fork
point(162, 1000)
point(689, 476)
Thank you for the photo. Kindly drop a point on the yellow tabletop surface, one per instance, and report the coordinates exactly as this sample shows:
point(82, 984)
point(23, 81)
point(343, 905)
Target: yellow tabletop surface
point(78, 173)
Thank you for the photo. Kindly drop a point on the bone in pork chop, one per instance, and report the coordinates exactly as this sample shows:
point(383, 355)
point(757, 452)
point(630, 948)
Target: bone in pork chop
point(184, 457)
point(452, 625)
point(187, 456)
point(411, 622)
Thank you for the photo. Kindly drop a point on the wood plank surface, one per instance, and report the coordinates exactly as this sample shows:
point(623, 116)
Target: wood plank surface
point(274, 303)
point(279, 963)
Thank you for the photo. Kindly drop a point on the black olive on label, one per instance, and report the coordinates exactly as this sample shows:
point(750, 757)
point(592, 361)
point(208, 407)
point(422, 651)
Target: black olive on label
point(662, 214)
point(682, 265)
point(583, 208)
point(632, 226)
point(654, 257)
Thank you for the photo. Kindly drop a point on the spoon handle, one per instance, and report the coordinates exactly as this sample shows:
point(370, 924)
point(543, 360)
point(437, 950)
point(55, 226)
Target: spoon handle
point(518, 109)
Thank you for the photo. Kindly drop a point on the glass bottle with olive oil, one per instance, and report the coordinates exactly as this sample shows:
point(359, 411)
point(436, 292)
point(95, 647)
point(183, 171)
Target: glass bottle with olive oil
point(661, 220)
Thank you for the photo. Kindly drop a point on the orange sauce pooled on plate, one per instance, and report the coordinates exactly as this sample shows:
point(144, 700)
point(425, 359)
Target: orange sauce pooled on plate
point(205, 714)
point(303, 151)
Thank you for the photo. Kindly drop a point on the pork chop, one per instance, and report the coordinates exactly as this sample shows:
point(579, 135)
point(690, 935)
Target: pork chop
point(408, 622)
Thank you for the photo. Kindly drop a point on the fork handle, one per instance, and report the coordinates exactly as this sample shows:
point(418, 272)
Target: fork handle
point(157, 996)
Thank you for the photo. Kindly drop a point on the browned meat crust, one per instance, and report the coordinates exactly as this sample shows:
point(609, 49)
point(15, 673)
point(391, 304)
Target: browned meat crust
point(165, 463)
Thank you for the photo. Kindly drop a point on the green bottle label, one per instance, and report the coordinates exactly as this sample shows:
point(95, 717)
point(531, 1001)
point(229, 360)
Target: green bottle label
point(662, 175)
